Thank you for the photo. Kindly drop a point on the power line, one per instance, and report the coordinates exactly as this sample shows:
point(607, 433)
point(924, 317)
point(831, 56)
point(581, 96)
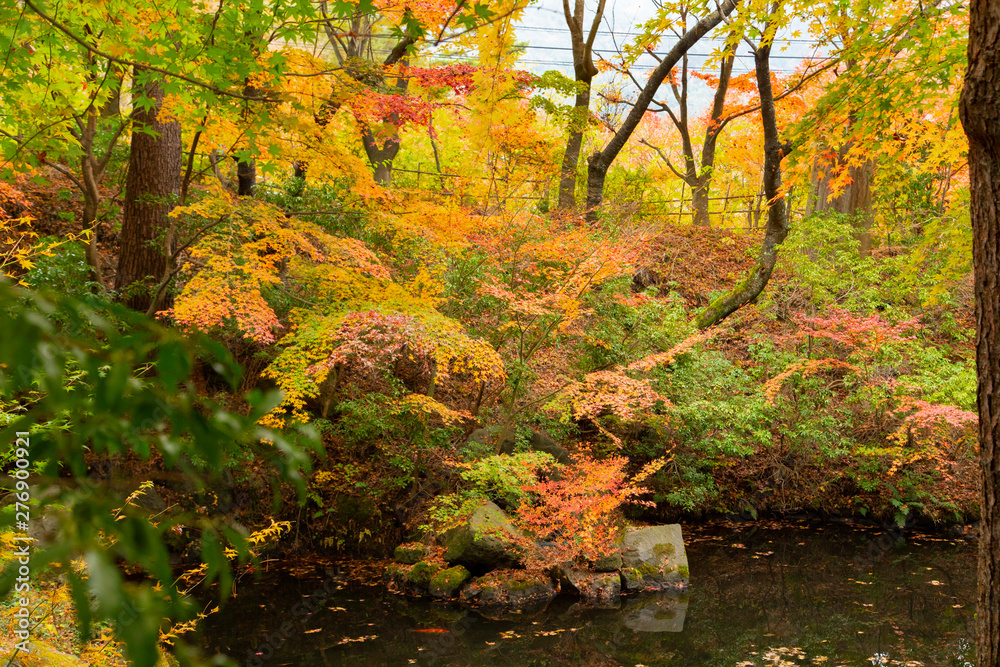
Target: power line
point(563, 63)
point(654, 53)
point(615, 33)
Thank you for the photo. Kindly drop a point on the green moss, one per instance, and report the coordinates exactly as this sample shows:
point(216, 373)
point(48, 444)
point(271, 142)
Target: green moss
point(662, 550)
point(520, 584)
point(647, 570)
point(446, 582)
point(410, 553)
point(683, 571)
point(422, 573)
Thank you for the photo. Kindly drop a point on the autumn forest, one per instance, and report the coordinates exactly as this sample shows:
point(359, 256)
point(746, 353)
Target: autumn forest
point(364, 285)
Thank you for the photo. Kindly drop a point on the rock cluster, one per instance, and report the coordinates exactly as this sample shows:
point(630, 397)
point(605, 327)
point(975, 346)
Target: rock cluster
point(481, 562)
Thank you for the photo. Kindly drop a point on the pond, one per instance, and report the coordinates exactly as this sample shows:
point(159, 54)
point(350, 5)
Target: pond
point(795, 594)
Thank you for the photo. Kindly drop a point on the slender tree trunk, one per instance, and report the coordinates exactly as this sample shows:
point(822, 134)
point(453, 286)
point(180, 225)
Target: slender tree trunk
point(91, 205)
point(246, 170)
point(980, 112)
point(151, 187)
point(601, 161)
point(571, 158)
point(777, 215)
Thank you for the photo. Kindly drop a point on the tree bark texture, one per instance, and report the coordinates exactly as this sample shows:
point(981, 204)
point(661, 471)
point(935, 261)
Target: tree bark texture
point(855, 200)
point(246, 170)
point(980, 112)
point(383, 147)
point(777, 214)
point(571, 158)
point(584, 70)
point(600, 161)
point(151, 187)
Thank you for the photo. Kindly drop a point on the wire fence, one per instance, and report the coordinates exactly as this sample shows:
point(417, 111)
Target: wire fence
point(744, 211)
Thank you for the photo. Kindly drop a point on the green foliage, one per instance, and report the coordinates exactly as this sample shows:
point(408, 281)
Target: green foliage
point(122, 393)
point(63, 269)
point(502, 478)
point(823, 252)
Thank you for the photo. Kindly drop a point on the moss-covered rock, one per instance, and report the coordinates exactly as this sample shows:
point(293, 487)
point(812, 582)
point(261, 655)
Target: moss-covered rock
point(654, 558)
point(511, 589)
point(487, 541)
point(609, 563)
point(421, 573)
point(410, 554)
point(598, 589)
point(446, 583)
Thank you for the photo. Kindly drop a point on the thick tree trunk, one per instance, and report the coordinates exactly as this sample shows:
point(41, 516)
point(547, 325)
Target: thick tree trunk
point(571, 158)
point(151, 187)
point(980, 112)
point(855, 200)
point(777, 215)
point(600, 161)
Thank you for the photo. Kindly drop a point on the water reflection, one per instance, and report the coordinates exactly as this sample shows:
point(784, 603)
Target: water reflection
point(794, 596)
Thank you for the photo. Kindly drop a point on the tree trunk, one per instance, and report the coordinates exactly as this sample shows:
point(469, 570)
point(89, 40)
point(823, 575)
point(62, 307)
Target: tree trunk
point(571, 158)
point(600, 161)
point(151, 187)
point(383, 149)
point(699, 201)
point(246, 178)
point(380, 151)
point(855, 200)
point(980, 112)
point(246, 171)
point(777, 215)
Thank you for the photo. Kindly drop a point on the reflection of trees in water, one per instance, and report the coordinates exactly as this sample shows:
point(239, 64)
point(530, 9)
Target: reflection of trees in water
point(785, 588)
point(903, 602)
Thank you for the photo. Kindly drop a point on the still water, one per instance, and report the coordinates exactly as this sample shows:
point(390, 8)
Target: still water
point(780, 596)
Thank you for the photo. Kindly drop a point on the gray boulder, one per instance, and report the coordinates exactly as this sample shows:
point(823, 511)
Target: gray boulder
point(610, 563)
point(542, 443)
point(511, 590)
point(598, 589)
point(654, 558)
point(488, 540)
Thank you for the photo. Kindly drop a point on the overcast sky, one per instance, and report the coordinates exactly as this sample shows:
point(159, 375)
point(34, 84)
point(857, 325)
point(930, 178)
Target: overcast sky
point(543, 27)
